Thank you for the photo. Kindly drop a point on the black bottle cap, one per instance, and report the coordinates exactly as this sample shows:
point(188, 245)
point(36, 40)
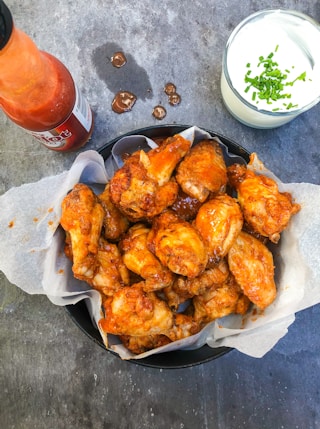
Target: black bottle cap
point(6, 24)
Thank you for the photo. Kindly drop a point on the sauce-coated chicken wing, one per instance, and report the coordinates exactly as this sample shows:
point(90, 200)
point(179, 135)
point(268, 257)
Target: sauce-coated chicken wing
point(219, 221)
point(183, 326)
point(115, 224)
point(132, 311)
point(111, 273)
point(219, 301)
point(203, 170)
point(140, 260)
point(143, 344)
point(178, 245)
point(251, 263)
point(143, 187)
point(82, 217)
point(265, 209)
point(185, 288)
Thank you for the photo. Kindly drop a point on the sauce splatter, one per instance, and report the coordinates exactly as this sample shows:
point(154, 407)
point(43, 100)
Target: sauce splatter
point(118, 59)
point(173, 97)
point(123, 101)
point(170, 88)
point(11, 224)
point(159, 112)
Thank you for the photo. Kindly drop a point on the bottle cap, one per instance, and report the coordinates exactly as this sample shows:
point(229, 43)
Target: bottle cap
point(6, 24)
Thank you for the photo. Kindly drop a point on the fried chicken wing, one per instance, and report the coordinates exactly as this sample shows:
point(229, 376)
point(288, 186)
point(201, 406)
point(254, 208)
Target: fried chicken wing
point(219, 301)
point(82, 218)
point(138, 258)
point(251, 263)
point(143, 187)
point(143, 344)
point(266, 210)
point(131, 311)
point(178, 245)
point(185, 288)
point(111, 273)
point(115, 224)
point(183, 326)
point(219, 221)
point(161, 161)
point(203, 170)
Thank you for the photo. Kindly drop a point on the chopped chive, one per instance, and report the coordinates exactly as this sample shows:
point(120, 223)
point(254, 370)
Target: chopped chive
point(271, 81)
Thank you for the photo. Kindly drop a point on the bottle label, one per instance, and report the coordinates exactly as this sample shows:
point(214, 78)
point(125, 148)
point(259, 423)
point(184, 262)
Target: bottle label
point(74, 128)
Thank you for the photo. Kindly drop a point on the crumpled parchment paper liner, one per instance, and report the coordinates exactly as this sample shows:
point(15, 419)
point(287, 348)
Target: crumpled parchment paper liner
point(31, 256)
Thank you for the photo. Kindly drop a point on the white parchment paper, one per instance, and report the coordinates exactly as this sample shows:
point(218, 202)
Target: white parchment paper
point(32, 258)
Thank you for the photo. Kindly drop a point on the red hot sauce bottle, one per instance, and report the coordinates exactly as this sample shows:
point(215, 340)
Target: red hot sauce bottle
point(38, 93)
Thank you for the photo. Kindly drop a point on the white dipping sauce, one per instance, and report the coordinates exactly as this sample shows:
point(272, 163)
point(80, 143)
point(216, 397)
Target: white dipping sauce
point(294, 40)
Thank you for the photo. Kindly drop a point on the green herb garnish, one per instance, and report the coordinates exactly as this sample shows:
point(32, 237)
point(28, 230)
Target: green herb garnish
point(270, 84)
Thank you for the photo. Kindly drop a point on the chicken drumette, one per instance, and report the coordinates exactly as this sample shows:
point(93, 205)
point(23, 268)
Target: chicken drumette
point(82, 219)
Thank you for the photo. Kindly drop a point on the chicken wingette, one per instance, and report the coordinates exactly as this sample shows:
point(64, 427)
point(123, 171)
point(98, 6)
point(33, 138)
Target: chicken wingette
point(251, 263)
point(266, 210)
point(178, 245)
point(203, 170)
point(219, 221)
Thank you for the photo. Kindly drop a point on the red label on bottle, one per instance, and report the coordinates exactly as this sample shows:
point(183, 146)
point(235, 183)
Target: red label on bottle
point(67, 135)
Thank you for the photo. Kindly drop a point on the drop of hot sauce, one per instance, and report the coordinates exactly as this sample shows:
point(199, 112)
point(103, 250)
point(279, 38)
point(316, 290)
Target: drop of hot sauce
point(123, 101)
point(118, 59)
point(159, 112)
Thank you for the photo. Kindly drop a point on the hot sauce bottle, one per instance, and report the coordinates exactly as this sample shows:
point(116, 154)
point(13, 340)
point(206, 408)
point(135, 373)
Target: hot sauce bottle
point(38, 93)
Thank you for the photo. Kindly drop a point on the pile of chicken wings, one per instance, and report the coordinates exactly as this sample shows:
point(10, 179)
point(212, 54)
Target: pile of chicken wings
point(176, 240)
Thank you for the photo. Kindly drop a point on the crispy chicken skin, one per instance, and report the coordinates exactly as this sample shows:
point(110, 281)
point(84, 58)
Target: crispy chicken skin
point(203, 170)
point(138, 345)
point(185, 288)
point(132, 311)
point(178, 245)
point(185, 206)
point(251, 263)
point(138, 259)
point(115, 224)
point(183, 326)
point(82, 218)
point(266, 210)
point(143, 187)
point(219, 301)
point(219, 221)
point(111, 273)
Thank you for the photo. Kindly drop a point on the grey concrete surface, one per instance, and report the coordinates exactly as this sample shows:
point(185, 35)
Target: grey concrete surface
point(52, 375)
